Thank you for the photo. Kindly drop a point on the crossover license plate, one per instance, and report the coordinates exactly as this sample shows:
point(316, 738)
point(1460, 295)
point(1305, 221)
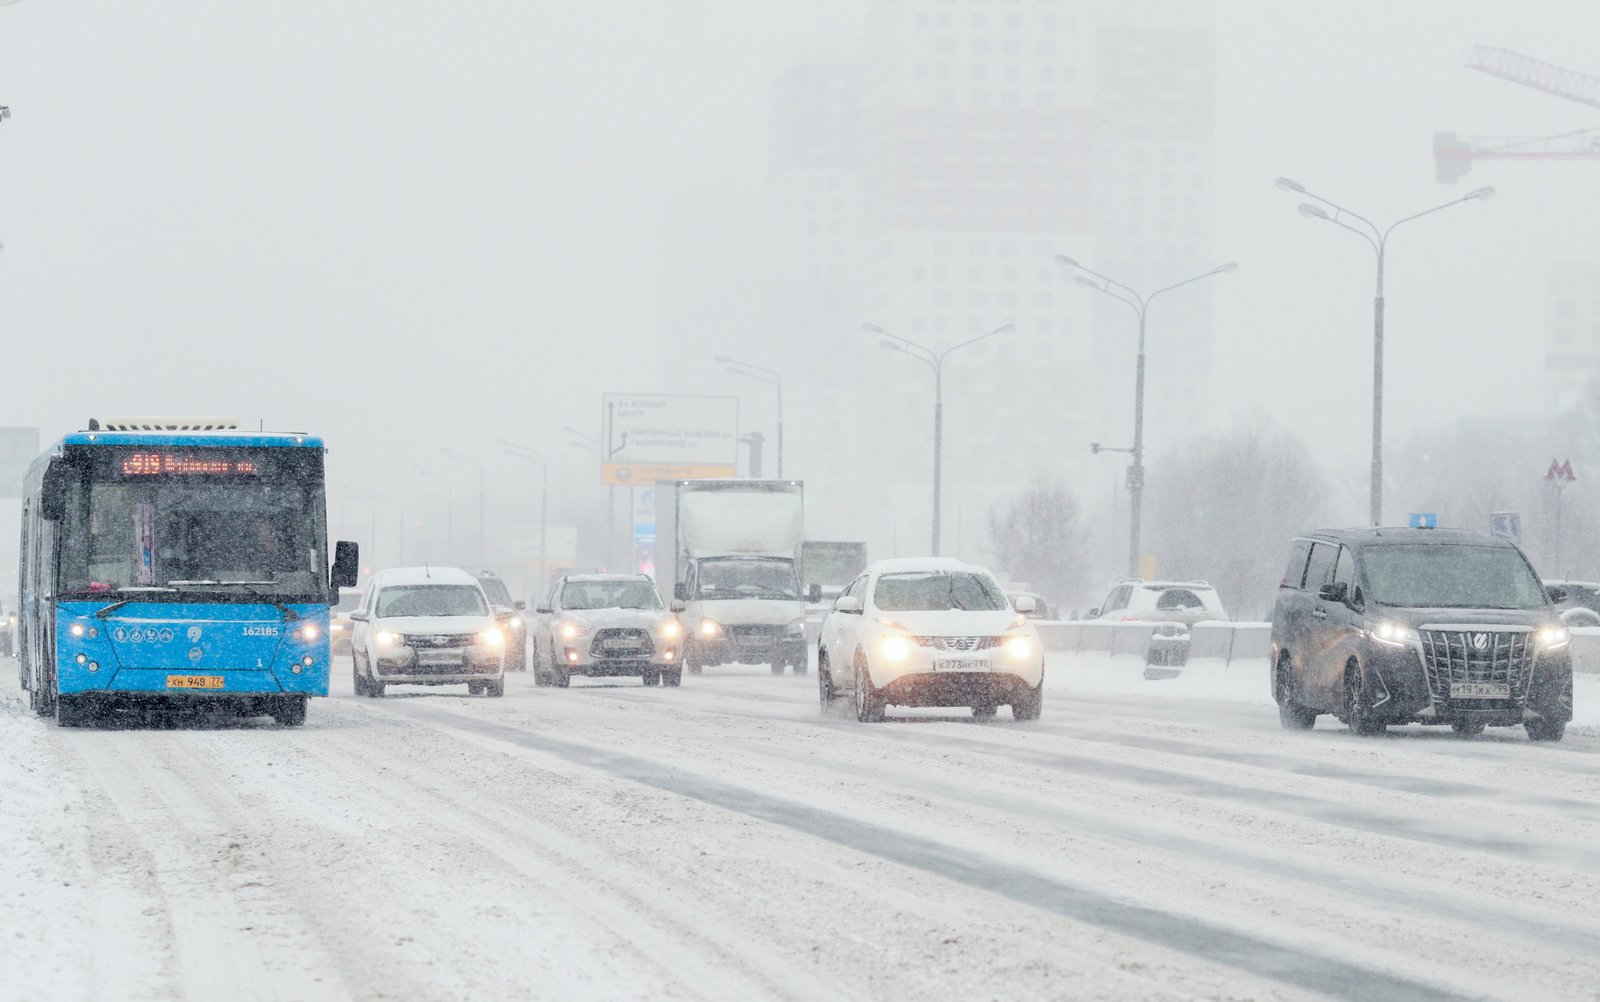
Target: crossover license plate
point(438, 658)
point(194, 681)
point(620, 645)
point(961, 664)
point(1479, 690)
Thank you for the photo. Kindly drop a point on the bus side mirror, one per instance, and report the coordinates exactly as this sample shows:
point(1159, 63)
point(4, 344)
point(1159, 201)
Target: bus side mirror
point(53, 491)
point(680, 591)
point(346, 565)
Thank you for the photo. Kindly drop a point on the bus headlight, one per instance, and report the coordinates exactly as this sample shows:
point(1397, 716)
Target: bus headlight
point(1020, 648)
point(77, 629)
point(307, 632)
point(895, 649)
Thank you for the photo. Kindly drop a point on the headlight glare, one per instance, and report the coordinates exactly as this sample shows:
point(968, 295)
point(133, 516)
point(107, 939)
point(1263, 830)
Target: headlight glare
point(710, 628)
point(1020, 648)
point(895, 649)
point(669, 629)
point(1394, 634)
point(1553, 637)
point(383, 638)
point(492, 636)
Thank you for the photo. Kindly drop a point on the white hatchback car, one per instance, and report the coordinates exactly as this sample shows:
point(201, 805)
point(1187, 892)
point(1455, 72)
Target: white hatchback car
point(426, 626)
point(930, 632)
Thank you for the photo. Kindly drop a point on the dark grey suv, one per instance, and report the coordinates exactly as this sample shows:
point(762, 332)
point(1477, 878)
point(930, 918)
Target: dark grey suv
point(1433, 626)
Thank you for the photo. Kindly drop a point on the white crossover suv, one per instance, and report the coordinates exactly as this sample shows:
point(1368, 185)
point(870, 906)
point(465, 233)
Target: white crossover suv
point(606, 625)
point(930, 632)
point(426, 626)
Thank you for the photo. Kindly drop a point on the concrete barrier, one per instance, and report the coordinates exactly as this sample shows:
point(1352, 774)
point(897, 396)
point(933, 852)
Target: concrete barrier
point(1220, 641)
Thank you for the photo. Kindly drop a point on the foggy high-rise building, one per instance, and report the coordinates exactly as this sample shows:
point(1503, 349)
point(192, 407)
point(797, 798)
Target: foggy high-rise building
point(1571, 331)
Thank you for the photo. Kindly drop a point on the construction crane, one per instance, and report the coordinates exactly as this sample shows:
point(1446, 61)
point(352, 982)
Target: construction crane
point(1454, 154)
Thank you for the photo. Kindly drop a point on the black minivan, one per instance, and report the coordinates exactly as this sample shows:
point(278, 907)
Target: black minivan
point(1433, 626)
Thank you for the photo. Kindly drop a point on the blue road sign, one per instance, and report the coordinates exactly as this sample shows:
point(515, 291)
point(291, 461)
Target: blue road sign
point(1424, 520)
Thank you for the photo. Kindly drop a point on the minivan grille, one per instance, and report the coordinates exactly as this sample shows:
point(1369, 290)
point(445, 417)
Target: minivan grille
point(1478, 656)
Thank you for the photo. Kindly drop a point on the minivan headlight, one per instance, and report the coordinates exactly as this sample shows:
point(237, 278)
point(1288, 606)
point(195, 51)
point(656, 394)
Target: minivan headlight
point(1554, 637)
point(1394, 634)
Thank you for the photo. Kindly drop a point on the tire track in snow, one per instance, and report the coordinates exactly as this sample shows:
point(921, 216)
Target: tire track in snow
point(1259, 956)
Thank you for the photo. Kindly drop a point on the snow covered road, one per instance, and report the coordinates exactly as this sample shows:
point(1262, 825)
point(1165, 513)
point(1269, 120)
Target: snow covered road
point(724, 840)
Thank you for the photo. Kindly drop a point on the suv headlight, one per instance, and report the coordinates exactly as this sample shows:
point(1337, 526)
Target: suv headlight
point(1394, 634)
point(1020, 648)
point(895, 648)
point(493, 636)
point(572, 629)
point(1554, 637)
point(668, 629)
point(710, 629)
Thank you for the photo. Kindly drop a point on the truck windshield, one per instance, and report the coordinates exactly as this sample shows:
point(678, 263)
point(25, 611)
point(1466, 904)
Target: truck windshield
point(748, 578)
point(227, 521)
point(1445, 576)
point(609, 595)
point(938, 591)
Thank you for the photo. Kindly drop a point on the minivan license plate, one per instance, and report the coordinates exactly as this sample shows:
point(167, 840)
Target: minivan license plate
point(961, 664)
point(1480, 690)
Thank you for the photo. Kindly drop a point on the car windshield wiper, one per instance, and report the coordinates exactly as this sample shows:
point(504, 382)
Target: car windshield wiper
point(114, 606)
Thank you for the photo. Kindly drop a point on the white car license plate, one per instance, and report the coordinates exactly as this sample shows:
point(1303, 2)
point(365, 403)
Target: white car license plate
point(1479, 690)
point(620, 645)
point(961, 664)
point(438, 657)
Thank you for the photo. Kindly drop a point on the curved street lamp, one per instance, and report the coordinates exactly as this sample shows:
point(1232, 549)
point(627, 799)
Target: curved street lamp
point(1378, 240)
point(1140, 305)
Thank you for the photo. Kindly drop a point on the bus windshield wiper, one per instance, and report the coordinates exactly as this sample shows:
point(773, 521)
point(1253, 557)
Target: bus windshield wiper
point(289, 615)
point(114, 606)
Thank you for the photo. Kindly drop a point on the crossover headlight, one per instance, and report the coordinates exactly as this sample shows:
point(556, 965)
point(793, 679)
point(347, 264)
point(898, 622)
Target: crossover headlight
point(572, 629)
point(383, 638)
point(1020, 648)
point(895, 649)
point(492, 636)
point(669, 629)
point(1394, 634)
point(1554, 637)
point(710, 629)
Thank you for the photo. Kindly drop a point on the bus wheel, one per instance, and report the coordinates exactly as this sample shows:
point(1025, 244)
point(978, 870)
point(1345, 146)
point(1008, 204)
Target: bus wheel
point(290, 711)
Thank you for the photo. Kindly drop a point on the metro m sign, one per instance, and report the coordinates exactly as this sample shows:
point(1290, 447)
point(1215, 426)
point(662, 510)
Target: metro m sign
point(650, 437)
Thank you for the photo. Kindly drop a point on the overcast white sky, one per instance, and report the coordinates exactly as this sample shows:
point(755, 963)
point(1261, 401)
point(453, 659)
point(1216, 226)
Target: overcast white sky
point(401, 193)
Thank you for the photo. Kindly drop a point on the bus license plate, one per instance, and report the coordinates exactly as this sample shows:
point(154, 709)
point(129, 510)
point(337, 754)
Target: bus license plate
point(194, 681)
point(961, 664)
point(1479, 690)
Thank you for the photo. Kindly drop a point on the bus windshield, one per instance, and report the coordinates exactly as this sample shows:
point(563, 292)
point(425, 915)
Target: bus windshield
point(251, 527)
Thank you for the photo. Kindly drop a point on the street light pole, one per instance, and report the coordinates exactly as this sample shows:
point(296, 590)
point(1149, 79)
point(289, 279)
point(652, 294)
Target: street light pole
point(935, 361)
point(482, 505)
point(535, 456)
point(766, 375)
point(1378, 240)
point(1140, 304)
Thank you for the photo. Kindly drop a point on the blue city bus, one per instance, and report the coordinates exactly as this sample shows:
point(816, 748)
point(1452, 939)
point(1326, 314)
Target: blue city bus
point(170, 562)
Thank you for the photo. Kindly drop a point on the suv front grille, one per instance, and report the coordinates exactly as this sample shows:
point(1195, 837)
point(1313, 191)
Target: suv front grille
point(960, 643)
point(621, 643)
point(1478, 656)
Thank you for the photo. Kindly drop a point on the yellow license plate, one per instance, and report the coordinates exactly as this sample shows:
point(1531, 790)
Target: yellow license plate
point(194, 681)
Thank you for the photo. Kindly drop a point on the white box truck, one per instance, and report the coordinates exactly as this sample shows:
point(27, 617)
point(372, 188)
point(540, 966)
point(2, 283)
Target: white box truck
point(729, 550)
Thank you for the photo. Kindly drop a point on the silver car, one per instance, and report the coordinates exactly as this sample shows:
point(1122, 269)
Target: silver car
point(606, 625)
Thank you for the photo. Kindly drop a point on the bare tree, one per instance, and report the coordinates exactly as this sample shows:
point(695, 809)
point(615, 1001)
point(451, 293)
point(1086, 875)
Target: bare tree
point(1040, 538)
point(1224, 510)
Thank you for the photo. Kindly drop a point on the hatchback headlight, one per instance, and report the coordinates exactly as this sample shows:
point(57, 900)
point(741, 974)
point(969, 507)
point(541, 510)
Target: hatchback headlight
point(1394, 634)
point(383, 638)
point(1554, 637)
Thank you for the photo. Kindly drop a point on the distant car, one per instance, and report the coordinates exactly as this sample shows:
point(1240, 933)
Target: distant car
point(426, 626)
point(1432, 626)
point(1579, 604)
point(606, 625)
point(1041, 608)
point(930, 632)
point(339, 625)
point(1186, 602)
point(508, 613)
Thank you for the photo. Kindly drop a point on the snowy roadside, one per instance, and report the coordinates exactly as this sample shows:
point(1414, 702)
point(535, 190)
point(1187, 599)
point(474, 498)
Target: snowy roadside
point(41, 826)
point(1212, 679)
